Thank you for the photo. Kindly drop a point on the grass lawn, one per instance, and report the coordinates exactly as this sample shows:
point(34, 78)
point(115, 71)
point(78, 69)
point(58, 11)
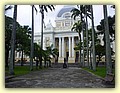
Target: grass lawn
point(100, 71)
point(20, 70)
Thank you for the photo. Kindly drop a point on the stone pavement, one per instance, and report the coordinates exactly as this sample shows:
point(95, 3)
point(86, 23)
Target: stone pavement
point(71, 77)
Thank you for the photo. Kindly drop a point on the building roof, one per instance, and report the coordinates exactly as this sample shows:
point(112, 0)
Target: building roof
point(64, 9)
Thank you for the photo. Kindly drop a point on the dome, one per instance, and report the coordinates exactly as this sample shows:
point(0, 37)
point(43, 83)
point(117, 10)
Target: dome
point(65, 9)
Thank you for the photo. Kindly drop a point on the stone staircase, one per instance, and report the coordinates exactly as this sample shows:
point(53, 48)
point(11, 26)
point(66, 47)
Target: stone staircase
point(60, 65)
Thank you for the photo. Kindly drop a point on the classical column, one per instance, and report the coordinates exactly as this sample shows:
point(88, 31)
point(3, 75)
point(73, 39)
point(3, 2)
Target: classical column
point(44, 45)
point(59, 46)
point(17, 54)
point(53, 40)
point(63, 50)
point(69, 46)
point(72, 46)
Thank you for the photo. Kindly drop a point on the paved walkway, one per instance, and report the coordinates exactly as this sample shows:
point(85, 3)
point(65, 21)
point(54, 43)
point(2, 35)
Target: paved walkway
point(71, 77)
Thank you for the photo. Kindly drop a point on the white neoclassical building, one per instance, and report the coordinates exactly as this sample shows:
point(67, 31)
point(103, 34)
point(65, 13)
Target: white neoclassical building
point(61, 36)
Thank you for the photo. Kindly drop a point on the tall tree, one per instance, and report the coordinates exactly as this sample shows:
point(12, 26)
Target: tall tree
point(22, 37)
point(93, 39)
point(23, 41)
point(42, 9)
point(107, 37)
point(78, 28)
point(13, 38)
point(8, 31)
point(79, 13)
point(8, 21)
point(101, 29)
point(84, 13)
point(32, 40)
point(87, 35)
point(100, 51)
point(90, 45)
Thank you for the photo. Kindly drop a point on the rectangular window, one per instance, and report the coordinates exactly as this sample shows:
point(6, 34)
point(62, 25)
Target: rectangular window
point(58, 24)
point(67, 23)
point(62, 24)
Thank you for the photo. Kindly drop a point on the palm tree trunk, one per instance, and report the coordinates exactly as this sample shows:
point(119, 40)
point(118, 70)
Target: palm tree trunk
point(93, 40)
point(45, 62)
point(42, 18)
point(12, 58)
point(87, 37)
point(83, 35)
point(6, 56)
point(32, 38)
point(22, 58)
point(90, 60)
point(83, 49)
point(107, 37)
point(80, 49)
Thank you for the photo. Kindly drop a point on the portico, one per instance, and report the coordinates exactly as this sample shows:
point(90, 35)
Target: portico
point(63, 50)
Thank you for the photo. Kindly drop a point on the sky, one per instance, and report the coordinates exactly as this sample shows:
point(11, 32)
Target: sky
point(24, 15)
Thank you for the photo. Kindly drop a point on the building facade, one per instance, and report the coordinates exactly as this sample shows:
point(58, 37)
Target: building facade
point(61, 35)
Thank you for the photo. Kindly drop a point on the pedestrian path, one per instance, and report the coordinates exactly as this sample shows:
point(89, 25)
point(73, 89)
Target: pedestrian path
point(71, 77)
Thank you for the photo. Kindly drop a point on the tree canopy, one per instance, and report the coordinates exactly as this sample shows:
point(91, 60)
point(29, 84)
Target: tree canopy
point(23, 36)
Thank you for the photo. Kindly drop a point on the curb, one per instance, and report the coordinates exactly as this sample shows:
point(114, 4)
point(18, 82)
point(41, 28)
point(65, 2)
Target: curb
point(9, 77)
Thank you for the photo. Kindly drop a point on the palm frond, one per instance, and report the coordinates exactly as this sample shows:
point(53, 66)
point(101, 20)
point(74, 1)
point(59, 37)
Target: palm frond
point(45, 8)
point(75, 12)
point(35, 9)
point(51, 7)
point(7, 8)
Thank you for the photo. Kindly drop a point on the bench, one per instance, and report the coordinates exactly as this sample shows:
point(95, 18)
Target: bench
point(109, 79)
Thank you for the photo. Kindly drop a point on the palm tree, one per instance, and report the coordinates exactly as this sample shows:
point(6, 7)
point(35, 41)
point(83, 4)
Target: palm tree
point(75, 13)
point(83, 11)
point(90, 58)
point(32, 39)
point(42, 9)
point(8, 32)
point(50, 53)
point(107, 37)
point(81, 14)
point(78, 28)
point(22, 40)
point(13, 38)
point(87, 35)
point(93, 39)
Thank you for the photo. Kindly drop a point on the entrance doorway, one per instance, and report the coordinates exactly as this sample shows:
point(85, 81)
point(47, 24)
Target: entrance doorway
point(77, 57)
point(67, 55)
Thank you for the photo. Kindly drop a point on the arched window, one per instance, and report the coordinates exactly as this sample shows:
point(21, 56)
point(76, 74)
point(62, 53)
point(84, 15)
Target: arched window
point(66, 15)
